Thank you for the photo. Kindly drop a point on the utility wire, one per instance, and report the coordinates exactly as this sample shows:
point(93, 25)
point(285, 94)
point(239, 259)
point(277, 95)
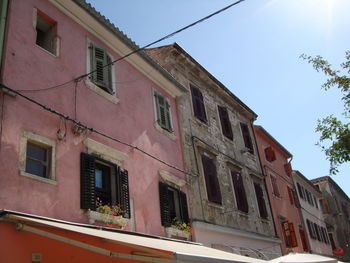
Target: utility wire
point(68, 118)
point(142, 48)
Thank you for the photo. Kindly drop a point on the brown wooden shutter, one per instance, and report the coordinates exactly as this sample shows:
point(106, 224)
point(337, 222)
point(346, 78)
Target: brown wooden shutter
point(183, 207)
point(198, 103)
point(261, 201)
point(246, 137)
point(270, 154)
point(164, 204)
point(122, 188)
point(211, 180)
point(291, 195)
point(325, 206)
point(303, 240)
point(225, 122)
point(296, 199)
point(288, 169)
point(294, 242)
point(87, 182)
point(241, 198)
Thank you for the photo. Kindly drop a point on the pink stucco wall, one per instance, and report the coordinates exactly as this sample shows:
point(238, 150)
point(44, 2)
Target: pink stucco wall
point(28, 67)
point(280, 205)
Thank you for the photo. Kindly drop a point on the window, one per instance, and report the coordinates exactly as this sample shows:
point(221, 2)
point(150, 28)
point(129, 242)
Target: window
point(238, 186)
point(163, 111)
point(275, 189)
point(101, 68)
point(225, 123)
point(198, 104)
point(311, 229)
point(246, 137)
point(104, 180)
point(173, 204)
point(291, 195)
point(37, 157)
point(211, 180)
point(303, 240)
point(46, 30)
point(300, 191)
point(261, 201)
point(289, 234)
point(325, 206)
point(270, 154)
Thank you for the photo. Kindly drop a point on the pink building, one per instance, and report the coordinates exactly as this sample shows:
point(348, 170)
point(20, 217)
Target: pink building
point(117, 138)
point(284, 201)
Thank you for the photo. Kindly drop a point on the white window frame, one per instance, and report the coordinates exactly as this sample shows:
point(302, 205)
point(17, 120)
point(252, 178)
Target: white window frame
point(28, 136)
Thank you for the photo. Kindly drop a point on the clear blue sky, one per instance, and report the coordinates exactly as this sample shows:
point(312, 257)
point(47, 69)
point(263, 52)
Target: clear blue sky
point(253, 49)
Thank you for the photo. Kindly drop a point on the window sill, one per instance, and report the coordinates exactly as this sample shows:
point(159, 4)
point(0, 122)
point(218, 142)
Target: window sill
point(171, 135)
point(96, 218)
point(215, 205)
point(47, 51)
point(112, 98)
point(38, 178)
point(173, 232)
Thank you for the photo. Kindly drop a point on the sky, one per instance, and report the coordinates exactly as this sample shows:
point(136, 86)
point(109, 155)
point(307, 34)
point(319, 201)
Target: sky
point(254, 49)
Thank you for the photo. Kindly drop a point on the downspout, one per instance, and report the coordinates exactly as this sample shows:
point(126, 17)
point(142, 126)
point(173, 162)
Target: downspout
point(263, 172)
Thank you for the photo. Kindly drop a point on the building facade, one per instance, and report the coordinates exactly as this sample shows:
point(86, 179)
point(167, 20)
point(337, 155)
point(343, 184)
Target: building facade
point(311, 210)
point(284, 202)
point(80, 131)
point(335, 205)
point(228, 198)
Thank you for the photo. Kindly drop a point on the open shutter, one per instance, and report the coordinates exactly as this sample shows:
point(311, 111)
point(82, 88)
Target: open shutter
point(211, 180)
point(164, 205)
point(325, 206)
point(122, 186)
point(87, 182)
point(296, 199)
point(198, 104)
point(225, 122)
point(303, 240)
point(261, 201)
point(246, 137)
point(275, 189)
point(241, 198)
point(288, 169)
point(293, 238)
point(163, 111)
point(184, 207)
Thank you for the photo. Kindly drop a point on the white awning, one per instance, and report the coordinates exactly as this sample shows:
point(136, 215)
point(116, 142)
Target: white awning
point(303, 258)
point(154, 249)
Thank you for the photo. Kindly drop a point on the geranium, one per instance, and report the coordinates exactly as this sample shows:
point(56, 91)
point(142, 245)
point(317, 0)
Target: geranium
point(108, 209)
point(185, 227)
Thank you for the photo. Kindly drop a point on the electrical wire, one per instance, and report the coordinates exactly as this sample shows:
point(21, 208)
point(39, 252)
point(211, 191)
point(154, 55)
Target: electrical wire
point(68, 118)
point(79, 78)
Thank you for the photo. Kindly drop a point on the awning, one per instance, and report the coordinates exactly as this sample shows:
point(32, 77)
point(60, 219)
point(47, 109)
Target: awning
point(149, 249)
point(303, 258)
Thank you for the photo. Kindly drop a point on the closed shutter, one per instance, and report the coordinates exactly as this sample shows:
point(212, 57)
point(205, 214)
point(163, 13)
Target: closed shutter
point(274, 185)
point(246, 137)
point(163, 111)
point(261, 201)
point(183, 207)
point(241, 198)
point(211, 180)
point(101, 73)
point(198, 104)
point(270, 154)
point(293, 237)
point(164, 205)
point(325, 206)
point(123, 191)
point(291, 195)
point(303, 240)
point(286, 232)
point(87, 182)
point(225, 122)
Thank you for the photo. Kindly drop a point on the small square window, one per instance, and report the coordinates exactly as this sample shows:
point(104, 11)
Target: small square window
point(37, 157)
point(38, 160)
point(46, 33)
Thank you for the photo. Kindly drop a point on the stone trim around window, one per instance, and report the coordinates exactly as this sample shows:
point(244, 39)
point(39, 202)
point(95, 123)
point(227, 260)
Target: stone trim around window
point(173, 179)
point(28, 136)
point(104, 152)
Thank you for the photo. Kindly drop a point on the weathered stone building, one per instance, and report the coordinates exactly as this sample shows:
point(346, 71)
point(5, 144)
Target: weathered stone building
point(336, 209)
point(228, 199)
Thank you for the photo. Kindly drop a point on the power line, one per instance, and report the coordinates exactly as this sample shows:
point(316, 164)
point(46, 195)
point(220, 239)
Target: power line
point(142, 48)
point(68, 118)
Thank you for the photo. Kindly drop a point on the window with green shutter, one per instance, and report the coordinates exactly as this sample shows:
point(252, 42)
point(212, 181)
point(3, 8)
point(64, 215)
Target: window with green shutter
point(163, 111)
point(101, 68)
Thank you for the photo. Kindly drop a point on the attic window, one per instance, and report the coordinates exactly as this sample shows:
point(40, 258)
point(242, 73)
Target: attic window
point(46, 30)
